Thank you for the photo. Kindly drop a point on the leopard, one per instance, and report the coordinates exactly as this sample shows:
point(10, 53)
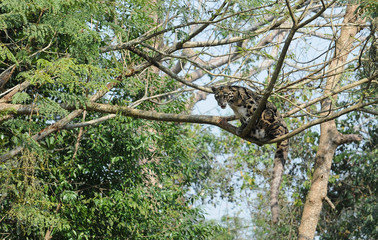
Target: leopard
point(270, 125)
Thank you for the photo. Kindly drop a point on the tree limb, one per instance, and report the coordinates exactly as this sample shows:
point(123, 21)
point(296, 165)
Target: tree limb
point(269, 89)
point(91, 122)
point(221, 122)
point(332, 92)
point(370, 111)
point(168, 71)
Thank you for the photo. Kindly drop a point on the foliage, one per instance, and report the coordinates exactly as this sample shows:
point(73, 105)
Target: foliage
point(111, 189)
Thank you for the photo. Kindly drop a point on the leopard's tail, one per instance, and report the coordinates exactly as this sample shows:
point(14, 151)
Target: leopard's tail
point(278, 169)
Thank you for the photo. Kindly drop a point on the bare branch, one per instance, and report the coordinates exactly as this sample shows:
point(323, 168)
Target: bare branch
point(348, 138)
point(318, 14)
point(6, 75)
point(332, 92)
point(329, 202)
point(90, 123)
point(168, 71)
point(321, 120)
point(370, 111)
point(217, 62)
point(293, 18)
point(79, 136)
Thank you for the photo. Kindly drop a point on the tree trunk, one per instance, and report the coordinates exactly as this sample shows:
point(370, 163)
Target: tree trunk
point(330, 138)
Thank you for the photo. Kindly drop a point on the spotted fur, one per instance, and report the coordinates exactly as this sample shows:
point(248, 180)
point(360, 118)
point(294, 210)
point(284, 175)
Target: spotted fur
point(244, 103)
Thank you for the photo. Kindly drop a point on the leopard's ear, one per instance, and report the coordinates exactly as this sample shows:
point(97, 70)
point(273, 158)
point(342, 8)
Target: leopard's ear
point(213, 89)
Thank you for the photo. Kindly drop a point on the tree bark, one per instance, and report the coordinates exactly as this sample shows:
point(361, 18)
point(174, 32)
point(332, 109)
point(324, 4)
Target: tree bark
point(330, 138)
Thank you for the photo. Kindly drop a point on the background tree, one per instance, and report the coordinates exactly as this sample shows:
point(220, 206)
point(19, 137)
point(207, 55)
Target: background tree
point(73, 73)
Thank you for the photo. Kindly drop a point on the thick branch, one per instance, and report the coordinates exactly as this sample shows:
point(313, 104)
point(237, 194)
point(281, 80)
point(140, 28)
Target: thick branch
point(213, 120)
point(348, 138)
point(269, 89)
point(221, 122)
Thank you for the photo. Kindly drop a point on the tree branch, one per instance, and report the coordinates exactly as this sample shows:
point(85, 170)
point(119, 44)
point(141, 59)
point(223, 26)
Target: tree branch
point(348, 138)
point(329, 202)
point(168, 71)
point(370, 111)
point(221, 122)
point(90, 123)
point(18, 88)
point(304, 105)
point(269, 89)
point(151, 34)
point(213, 120)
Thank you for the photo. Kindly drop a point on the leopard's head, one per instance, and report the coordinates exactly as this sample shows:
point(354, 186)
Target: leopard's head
point(223, 95)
